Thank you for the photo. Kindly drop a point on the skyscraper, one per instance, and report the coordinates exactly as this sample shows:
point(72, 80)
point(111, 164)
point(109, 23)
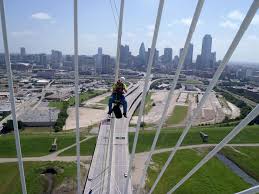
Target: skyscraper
point(43, 60)
point(106, 64)
point(168, 55)
point(206, 51)
point(56, 58)
point(188, 57)
point(155, 58)
point(98, 60)
point(142, 53)
point(22, 53)
point(124, 54)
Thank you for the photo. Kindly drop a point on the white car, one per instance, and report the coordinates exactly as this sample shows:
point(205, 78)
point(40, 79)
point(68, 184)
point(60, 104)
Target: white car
point(125, 175)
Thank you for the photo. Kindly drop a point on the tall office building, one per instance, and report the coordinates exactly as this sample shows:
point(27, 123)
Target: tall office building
point(155, 58)
point(175, 61)
point(168, 55)
point(56, 56)
point(22, 53)
point(106, 64)
point(124, 54)
point(188, 58)
point(206, 51)
point(142, 53)
point(213, 60)
point(98, 60)
point(43, 60)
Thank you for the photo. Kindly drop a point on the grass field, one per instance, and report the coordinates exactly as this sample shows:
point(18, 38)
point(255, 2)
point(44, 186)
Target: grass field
point(178, 115)
point(34, 144)
point(169, 136)
point(10, 182)
point(247, 159)
point(192, 81)
point(208, 179)
point(83, 97)
point(86, 148)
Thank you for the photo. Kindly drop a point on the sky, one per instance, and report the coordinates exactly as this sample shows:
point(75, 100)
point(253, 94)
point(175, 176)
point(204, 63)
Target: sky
point(42, 25)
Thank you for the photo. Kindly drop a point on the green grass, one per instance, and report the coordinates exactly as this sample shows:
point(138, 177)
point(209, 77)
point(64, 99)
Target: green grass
point(178, 115)
point(246, 160)
point(169, 136)
point(33, 144)
point(37, 129)
point(192, 81)
point(83, 97)
point(209, 179)
point(148, 105)
point(10, 181)
point(105, 100)
point(86, 148)
point(56, 104)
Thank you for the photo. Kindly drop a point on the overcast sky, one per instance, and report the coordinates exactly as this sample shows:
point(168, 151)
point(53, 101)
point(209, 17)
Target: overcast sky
point(42, 25)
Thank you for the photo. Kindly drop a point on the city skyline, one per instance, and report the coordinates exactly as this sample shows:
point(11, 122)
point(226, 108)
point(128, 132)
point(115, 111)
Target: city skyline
point(43, 26)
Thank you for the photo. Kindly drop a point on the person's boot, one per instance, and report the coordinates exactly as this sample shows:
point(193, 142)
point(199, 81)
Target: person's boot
point(125, 115)
point(109, 113)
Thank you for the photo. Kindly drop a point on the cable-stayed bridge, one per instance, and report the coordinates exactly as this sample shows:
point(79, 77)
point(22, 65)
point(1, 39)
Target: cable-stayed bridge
point(112, 165)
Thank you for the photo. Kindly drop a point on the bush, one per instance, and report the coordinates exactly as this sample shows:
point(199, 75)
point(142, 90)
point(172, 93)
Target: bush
point(8, 126)
point(62, 116)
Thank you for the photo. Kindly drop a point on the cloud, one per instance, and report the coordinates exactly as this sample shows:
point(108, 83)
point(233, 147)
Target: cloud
point(130, 34)
point(151, 27)
point(185, 21)
point(252, 37)
point(255, 20)
point(235, 15)
point(150, 34)
point(228, 24)
point(41, 16)
point(22, 33)
point(89, 37)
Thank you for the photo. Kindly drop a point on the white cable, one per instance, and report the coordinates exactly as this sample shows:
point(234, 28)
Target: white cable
point(112, 127)
point(116, 9)
point(117, 66)
point(115, 20)
point(116, 185)
point(227, 139)
point(247, 20)
point(12, 99)
point(252, 190)
point(77, 97)
point(169, 97)
point(146, 85)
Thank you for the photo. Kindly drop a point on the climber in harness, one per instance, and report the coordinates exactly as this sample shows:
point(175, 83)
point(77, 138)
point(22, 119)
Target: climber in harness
point(118, 89)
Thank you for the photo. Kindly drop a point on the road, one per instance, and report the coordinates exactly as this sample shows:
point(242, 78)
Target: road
point(54, 156)
point(120, 155)
point(100, 168)
point(31, 103)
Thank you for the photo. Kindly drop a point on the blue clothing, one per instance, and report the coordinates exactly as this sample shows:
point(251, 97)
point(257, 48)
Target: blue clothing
point(122, 99)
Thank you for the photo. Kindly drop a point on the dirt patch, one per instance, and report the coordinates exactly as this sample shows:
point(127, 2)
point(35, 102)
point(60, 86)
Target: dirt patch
point(49, 175)
point(67, 187)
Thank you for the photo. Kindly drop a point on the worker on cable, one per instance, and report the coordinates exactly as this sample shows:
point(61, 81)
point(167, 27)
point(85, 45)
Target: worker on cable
point(118, 89)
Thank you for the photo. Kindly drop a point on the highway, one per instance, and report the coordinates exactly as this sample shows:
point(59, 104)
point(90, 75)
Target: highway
point(98, 177)
point(32, 103)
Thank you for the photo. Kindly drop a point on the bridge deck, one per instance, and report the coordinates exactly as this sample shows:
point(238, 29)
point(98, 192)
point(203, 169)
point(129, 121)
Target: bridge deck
point(99, 170)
